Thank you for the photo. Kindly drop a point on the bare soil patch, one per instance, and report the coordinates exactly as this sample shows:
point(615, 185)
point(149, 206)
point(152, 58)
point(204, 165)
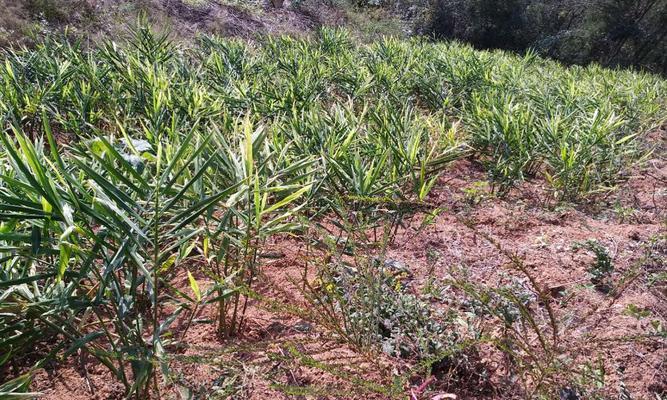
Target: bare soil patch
point(284, 353)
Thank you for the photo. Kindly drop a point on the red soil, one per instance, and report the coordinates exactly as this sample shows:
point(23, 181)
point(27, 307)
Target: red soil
point(594, 324)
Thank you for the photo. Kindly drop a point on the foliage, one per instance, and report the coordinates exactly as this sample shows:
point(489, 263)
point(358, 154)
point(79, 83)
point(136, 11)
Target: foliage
point(603, 266)
point(125, 167)
point(609, 32)
point(369, 303)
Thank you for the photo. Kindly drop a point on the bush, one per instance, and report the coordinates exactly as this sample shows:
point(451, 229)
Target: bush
point(610, 32)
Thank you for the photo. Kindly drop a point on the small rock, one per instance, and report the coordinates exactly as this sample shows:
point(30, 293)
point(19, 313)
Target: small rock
point(567, 393)
point(303, 326)
point(276, 328)
point(395, 265)
point(557, 291)
point(444, 396)
point(634, 235)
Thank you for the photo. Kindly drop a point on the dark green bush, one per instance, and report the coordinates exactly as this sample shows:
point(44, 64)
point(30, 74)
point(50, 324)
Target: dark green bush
point(610, 32)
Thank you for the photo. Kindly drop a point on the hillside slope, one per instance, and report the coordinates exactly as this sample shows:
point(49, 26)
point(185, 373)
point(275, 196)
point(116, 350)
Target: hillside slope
point(314, 216)
point(25, 21)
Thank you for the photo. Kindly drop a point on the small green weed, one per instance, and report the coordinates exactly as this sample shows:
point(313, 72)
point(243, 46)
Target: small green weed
point(602, 268)
point(475, 193)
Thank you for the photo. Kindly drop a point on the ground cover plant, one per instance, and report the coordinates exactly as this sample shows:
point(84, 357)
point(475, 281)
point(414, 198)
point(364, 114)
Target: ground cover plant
point(127, 166)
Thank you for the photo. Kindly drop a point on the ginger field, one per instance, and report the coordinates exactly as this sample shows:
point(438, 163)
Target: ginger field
point(318, 218)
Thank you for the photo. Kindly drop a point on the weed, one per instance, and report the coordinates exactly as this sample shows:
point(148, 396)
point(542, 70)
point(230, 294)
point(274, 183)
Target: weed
point(624, 213)
point(475, 193)
point(602, 268)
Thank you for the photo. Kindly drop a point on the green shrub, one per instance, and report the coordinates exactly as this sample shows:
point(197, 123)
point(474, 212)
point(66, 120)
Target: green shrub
point(609, 32)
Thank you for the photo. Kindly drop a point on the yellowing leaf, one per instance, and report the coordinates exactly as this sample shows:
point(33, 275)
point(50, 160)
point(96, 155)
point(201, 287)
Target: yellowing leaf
point(194, 286)
point(168, 263)
point(46, 206)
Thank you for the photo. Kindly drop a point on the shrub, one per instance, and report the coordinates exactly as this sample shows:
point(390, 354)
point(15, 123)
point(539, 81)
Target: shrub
point(610, 32)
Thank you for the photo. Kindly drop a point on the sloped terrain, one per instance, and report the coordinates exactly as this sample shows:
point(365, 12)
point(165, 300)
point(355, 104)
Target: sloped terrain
point(25, 21)
point(305, 217)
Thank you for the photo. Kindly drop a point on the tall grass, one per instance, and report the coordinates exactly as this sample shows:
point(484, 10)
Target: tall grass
point(123, 166)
